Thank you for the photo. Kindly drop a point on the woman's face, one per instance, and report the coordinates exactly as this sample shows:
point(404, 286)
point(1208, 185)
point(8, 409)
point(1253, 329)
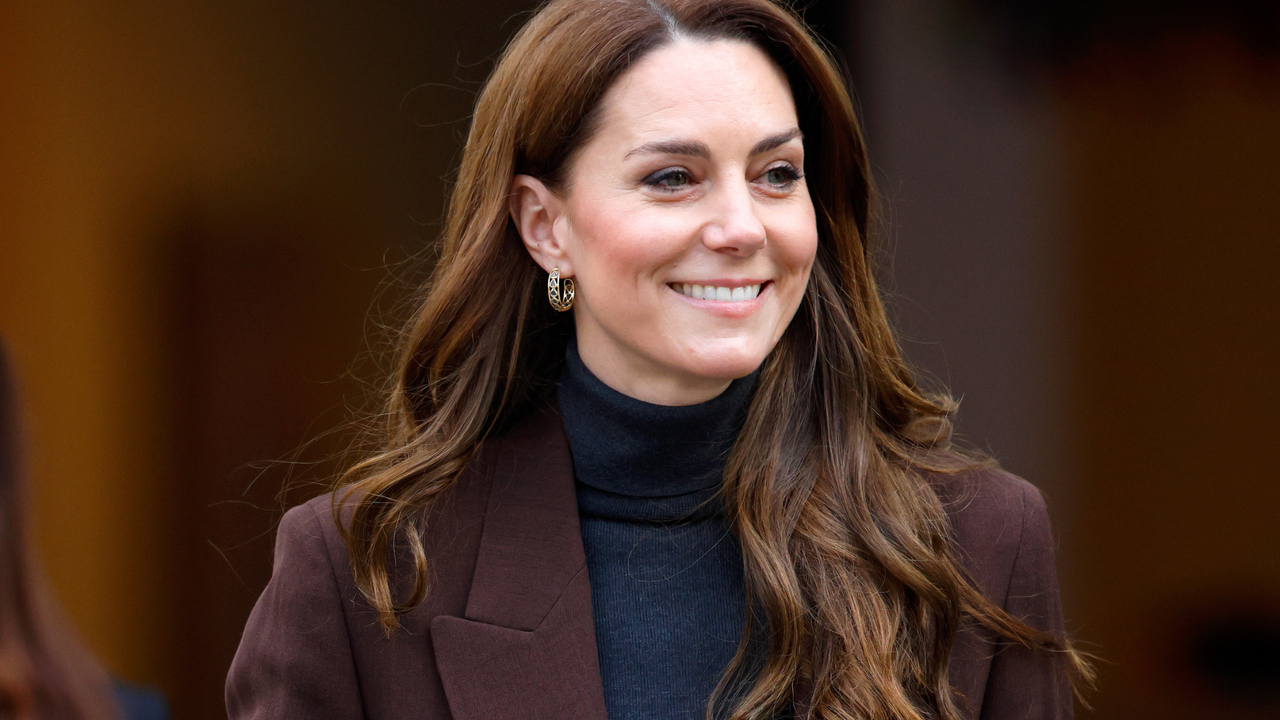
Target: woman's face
point(685, 223)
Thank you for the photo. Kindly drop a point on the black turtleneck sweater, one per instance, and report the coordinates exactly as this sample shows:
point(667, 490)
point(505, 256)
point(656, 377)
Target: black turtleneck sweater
point(665, 569)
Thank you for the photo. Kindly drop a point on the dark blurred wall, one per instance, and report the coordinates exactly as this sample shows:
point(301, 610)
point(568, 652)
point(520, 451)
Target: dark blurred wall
point(200, 203)
point(1176, 205)
point(970, 160)
point(1084, 207)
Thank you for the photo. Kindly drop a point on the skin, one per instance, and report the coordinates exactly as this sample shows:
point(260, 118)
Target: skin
point(695, 175)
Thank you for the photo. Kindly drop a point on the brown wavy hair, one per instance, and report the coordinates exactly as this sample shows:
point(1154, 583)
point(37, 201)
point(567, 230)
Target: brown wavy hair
point(845, 543)
point(44, 672)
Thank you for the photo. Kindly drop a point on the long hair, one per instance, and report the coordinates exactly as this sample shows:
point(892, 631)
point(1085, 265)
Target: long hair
point(845, 543)
point(44, 673)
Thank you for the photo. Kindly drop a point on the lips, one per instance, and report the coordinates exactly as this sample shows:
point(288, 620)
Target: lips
point(718, 293)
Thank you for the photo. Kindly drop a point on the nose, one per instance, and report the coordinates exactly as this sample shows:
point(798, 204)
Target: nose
point(735, 226)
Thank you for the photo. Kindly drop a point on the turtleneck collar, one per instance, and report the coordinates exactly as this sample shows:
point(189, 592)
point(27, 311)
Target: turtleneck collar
point(629, 447)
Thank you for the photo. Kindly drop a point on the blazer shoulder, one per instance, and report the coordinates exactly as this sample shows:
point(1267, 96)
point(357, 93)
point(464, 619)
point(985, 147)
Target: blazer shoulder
point(449, 530)
point(298, 629)
point(311, 564)
point(995, 519)
point(310, 531)
point(462, 502)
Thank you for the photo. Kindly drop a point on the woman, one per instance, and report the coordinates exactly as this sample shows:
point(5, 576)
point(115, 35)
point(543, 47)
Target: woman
point(651, 449)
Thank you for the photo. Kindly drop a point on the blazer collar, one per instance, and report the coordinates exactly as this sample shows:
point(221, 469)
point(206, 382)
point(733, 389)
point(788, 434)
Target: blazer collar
point(526, 646)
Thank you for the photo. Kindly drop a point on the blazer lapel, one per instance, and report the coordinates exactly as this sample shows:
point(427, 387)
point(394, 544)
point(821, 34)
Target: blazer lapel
point(527, 645)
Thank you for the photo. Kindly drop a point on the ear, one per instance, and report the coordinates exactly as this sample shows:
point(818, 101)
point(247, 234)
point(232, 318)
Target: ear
point(537, 214)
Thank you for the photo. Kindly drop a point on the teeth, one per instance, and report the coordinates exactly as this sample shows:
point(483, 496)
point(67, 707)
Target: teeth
point(719, 294)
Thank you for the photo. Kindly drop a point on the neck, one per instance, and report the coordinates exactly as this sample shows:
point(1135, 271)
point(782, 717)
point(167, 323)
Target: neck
point(628, 446)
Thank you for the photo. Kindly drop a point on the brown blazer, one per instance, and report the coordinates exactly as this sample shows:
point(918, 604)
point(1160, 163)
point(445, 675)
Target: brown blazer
point(506, 630)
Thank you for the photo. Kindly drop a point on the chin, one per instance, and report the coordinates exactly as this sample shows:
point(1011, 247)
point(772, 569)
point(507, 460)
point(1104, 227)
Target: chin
point(725, 365)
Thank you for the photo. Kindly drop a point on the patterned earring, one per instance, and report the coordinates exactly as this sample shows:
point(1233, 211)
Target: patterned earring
point(561, 303)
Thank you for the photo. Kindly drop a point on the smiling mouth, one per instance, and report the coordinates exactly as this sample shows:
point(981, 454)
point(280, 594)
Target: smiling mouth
point(718, 293)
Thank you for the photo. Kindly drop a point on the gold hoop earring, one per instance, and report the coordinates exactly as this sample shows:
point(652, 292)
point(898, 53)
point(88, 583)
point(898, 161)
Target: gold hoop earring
point(558, 301)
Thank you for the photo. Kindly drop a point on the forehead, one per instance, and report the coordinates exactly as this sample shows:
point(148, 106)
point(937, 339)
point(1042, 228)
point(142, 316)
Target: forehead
point(698, 89)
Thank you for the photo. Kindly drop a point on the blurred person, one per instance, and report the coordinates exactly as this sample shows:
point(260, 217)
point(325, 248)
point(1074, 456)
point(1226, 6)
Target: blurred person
point(651, 449)
point(45, 674)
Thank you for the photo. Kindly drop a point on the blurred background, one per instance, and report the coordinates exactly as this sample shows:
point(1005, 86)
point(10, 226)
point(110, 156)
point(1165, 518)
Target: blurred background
point(209, 211)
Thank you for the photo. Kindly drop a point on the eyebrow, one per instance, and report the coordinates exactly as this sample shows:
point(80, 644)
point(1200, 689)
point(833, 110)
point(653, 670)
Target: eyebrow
point(694, 148)
point(776, 141)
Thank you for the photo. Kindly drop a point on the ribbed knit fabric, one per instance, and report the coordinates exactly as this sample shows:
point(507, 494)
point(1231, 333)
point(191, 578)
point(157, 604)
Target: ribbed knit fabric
point(665, 569)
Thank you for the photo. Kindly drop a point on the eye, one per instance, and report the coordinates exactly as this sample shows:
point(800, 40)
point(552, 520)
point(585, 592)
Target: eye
point(782, 176)
point(669, 179)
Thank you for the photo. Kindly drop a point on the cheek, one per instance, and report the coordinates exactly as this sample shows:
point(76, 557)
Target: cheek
point(795, 240)
point(627, 246)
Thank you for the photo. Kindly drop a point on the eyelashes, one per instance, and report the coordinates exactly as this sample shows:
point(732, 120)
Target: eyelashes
point(670, 180)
